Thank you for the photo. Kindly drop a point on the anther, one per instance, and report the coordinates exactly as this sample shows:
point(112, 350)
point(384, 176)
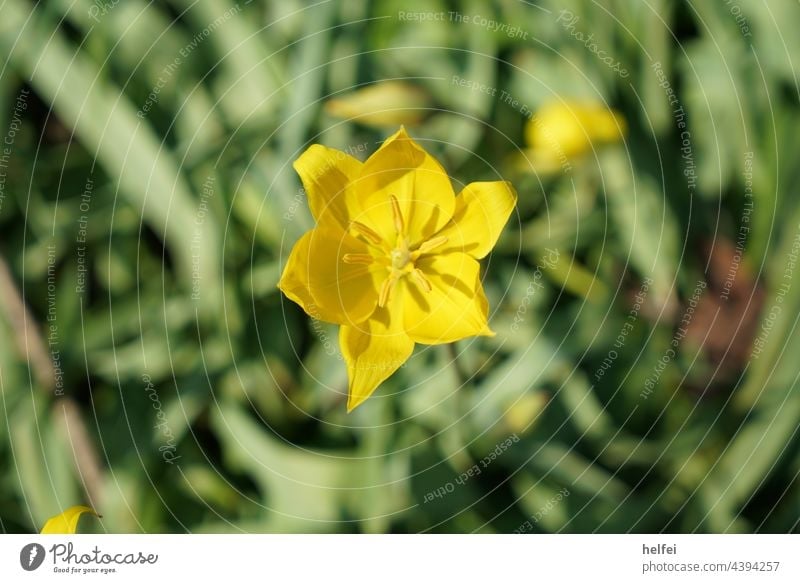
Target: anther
point(430, 245)
point(399, 224)
point(422, 280)
point(386, 289)
point(360, 258)
point(366, 232)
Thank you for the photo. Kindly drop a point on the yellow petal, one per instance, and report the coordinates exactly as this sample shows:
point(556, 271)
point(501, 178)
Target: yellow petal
point(482, 210)
point(454, 308)
point(294, 282)
point(373, 351)
point(317, 278)
point(326, 175)
point(538, 161)
point(570, 128)
point(401, 168)
point(67, 521)
point(387, 103)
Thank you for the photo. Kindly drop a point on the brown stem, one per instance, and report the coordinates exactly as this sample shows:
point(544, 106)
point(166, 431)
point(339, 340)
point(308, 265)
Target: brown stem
point(33, 350)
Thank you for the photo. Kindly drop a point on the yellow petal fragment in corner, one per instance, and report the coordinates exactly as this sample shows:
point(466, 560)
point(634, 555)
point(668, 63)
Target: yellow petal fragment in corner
point(67, 521)
point(373, 351)
point(482, 210)
point(326, 174)
point(401, 168)
point(454, 308)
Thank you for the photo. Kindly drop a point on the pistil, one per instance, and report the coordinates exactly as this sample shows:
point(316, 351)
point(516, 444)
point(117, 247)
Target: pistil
point(400, 257)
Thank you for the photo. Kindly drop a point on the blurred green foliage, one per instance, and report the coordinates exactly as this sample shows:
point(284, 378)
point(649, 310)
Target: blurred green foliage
point(151, 145)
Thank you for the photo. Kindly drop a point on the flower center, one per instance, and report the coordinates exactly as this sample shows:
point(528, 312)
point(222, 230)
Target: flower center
point(400, 257)
point(398, 260)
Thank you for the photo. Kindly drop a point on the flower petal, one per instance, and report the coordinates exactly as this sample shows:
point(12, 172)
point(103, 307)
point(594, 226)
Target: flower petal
point(373, 351)
point(401, 168)
point(482, 210)
point(67, 521)
point(317, 278)
point(294, 281)
point(454, 308)
point(568, 128)
point(326, 175)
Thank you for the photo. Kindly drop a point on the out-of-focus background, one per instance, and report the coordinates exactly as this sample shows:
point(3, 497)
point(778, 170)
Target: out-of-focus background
point(645, 292)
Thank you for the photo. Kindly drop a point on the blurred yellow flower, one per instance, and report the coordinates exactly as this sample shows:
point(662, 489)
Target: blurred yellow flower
point(525, 411)
point(387, 103)
point(562, 130)
point(67, 521)
point(394, 256)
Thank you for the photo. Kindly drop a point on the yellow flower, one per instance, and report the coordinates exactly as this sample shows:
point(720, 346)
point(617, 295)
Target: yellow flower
point(387, 103)
point(67, 521)
point(561, 130)
point(394, 256)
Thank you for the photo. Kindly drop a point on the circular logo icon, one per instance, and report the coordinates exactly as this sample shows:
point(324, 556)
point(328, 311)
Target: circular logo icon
point(31, 556)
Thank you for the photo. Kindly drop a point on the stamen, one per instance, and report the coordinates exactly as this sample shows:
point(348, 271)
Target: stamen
point(366, 232)
point(422, 280)
point(399, 224)
point(386, 289)
point(354, 258)
point(430, 245)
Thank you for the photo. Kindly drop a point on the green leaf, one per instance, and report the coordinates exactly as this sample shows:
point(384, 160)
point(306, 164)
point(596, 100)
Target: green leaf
point(106, 121)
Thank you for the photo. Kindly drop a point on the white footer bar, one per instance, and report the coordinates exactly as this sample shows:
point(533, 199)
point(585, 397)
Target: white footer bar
point(401, 558)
